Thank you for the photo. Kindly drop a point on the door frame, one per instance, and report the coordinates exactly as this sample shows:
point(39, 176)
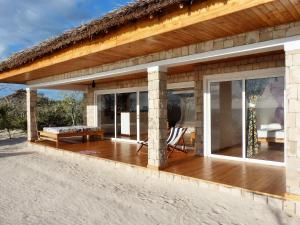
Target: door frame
point(244, 75)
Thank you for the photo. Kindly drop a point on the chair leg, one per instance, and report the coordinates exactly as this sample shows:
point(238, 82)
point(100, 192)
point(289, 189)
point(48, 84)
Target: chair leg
point(144, 143)
point(184, 147)
point(140, 148)
point(171, 150)
point(180, 149)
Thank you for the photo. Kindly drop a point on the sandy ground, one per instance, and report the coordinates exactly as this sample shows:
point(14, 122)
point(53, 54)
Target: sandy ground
point(36, 188)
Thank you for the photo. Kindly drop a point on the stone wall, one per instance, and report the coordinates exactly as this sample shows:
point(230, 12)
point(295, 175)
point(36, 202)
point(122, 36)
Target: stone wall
point(142, 82)
point(90, 107)
point(245, 64)
point(131, 83)
point(31, 102)
point(293, 121)
point(199, 129)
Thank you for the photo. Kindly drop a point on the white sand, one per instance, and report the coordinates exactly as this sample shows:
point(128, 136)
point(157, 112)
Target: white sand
point(36, 188)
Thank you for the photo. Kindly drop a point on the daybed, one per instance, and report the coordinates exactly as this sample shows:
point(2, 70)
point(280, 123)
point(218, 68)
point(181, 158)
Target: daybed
point(55, 133)
point(271, 133)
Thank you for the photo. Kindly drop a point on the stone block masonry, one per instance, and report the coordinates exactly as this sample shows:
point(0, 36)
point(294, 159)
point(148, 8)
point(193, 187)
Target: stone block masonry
point(293, 114)
point(199, 115)
point(157, 117)
point(90, 107)
point(31, 98)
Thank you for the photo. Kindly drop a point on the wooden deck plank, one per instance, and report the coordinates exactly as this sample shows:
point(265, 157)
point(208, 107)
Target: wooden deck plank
point(254, 177)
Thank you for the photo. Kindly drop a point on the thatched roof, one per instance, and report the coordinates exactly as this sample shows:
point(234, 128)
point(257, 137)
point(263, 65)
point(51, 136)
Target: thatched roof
point(132, 12)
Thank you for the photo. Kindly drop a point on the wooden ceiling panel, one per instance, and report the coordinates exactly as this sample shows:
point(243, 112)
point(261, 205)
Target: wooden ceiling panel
point(289, 7)
point(281, 12)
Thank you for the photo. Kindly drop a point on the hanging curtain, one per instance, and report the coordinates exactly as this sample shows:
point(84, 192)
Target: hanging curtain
point(254, 90)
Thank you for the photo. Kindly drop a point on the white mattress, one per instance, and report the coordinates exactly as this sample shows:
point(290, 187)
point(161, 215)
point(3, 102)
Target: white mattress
point(61, 130)
point(279, 134)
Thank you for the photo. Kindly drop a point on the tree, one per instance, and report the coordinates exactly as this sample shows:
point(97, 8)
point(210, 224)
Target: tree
point(73, 106)
point(6, 118)
point(57, 113)
point(14, 108)
point(50, 113)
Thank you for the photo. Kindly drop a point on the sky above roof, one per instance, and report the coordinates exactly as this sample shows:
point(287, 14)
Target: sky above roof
point(26, 23)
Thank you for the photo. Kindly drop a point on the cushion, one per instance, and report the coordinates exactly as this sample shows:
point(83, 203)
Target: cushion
point(271, 126)
point(71, 129)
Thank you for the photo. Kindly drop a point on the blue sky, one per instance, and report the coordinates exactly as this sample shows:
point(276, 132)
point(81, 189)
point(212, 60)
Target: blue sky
point(27, 22)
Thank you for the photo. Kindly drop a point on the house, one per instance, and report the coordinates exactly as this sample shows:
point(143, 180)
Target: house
point(228, 70)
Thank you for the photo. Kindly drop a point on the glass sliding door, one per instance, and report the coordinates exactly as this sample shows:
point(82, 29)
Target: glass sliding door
point(127, 116)
point(226, 118)
point(106, 114)
point(246, 118)
point(265, 119)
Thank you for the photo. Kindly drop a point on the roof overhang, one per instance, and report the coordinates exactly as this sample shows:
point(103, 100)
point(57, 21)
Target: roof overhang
point(200, 22)
point(240, 51)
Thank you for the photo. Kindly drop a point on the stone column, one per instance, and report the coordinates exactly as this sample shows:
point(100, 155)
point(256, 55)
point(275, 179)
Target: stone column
point(157, 117)
point(199, 114)
point(90, 107)
point(31, 100)
point(292, 54)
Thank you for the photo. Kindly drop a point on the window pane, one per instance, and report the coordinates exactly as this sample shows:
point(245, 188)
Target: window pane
point(227, 118)
point(106, 115)
point(265, 119)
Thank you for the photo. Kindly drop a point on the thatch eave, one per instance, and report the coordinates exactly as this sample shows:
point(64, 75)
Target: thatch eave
point(130, 13)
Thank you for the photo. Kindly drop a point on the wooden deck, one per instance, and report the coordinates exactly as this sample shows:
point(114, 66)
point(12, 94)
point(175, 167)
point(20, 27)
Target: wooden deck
point(253, 177)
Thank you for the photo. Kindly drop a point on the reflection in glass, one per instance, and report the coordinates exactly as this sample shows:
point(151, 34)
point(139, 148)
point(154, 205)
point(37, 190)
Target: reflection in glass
point(226, 118)
point(181, 111)
point(127, 116)
point(106, 115)
point(265, 119)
